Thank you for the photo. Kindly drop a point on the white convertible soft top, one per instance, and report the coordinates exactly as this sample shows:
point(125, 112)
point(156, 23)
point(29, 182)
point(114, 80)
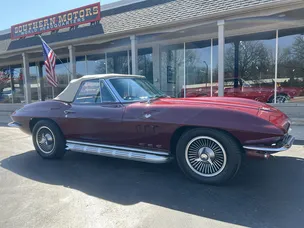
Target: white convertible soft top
point(68, 94)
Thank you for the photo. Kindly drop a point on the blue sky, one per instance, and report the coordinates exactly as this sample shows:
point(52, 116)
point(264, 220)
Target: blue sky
point(16, 12)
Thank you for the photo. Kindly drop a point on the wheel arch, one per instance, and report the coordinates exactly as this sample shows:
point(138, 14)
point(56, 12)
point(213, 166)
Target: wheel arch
point(181, 130)
point(35, 120)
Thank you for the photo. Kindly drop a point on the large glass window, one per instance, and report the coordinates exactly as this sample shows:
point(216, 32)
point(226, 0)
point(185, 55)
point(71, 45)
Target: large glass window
point(17, 84)
point(118, 62)
point(145, 63)
point(290, 80)
point(249, 67)
point(96, 64)
point(6, 95)
point(249, 70)
point(81, 68)
point(172, 69)
point(198, 68)
point(33, 80)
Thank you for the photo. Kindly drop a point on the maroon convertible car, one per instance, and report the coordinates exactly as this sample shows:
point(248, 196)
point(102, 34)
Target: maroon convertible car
point(125, 116)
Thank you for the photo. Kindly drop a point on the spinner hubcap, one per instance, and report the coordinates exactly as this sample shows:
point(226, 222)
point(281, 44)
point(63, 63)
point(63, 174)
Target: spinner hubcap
point(45, 140)
point(206, 156)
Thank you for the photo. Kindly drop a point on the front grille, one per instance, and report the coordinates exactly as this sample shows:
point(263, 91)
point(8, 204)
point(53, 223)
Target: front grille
point(283, 141)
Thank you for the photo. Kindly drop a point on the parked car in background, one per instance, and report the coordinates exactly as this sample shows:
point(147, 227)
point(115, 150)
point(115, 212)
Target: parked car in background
point(125, 116)
point(244, 89)
point(7, 95)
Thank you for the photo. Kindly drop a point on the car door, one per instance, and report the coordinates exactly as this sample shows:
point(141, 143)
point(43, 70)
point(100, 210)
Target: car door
point(145, 128)
point(95, 115)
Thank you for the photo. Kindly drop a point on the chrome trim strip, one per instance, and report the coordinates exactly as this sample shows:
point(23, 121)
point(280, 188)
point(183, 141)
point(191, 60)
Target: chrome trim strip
point(14, 124)
point(119, 148)
point(123, 154)
point(286, 146)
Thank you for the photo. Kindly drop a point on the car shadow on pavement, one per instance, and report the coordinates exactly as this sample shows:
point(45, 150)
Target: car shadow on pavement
point(264, 193)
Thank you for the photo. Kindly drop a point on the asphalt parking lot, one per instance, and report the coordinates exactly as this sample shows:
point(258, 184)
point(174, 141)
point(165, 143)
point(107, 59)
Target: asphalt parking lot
point(90, 191)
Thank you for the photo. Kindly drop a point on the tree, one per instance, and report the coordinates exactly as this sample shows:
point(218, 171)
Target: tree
point(256, 61)
point(197, 69)
point(291, 63)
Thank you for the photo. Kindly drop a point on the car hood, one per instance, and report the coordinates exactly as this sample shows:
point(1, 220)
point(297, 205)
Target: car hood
point(248, 106)
point(216, 102)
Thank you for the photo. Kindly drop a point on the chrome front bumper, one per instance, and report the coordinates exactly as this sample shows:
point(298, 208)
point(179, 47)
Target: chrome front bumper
point(14, 124)
point(282, 145)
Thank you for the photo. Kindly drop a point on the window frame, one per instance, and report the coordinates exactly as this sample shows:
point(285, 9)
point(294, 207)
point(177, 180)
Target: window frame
point(96, 103)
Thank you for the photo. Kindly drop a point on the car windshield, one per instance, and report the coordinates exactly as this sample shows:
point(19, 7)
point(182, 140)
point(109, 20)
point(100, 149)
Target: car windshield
point(135, 89)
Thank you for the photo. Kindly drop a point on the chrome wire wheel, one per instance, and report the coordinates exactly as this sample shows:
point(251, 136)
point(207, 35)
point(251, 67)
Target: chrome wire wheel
point(206, 156)
point(282, 98)
point(45, 140)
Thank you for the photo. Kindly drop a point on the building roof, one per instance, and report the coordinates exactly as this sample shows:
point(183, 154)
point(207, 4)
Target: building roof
point(129, 15)
point(68, 94)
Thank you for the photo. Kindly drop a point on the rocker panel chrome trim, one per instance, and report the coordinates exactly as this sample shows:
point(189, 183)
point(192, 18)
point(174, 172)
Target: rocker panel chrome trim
point(116, 153)
point(119, 148)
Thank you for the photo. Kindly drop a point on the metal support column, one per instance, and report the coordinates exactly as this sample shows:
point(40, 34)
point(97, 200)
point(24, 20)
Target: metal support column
point(72, 62)
point(86, 64)
point(38, 78)
point(41, 80)
point(134, 55)
point(156, 59)
point(221, 52)
point(211, 70)
point(128, 59)
point(236, 63)
point(185, 90)
point(106, 62)
point(26, 78)
point(276, 67)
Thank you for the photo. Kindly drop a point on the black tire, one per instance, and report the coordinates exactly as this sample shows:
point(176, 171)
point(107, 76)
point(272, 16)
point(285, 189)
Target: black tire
point(46, 147)
point(195, 141)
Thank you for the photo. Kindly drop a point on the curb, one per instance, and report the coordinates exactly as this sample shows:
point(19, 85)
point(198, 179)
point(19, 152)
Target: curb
point(299, 142)
point(297, 124)
point(297, 121)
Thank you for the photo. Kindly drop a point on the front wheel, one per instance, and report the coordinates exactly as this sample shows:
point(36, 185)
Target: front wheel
point(48, 140)
point(281, 98)
point(208, 156)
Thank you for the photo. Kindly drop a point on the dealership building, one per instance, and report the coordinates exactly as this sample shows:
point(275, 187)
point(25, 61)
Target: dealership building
point(244, 48)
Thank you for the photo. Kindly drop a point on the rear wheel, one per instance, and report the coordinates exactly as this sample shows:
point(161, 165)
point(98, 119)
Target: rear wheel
point(48, 140)
point(208, 156)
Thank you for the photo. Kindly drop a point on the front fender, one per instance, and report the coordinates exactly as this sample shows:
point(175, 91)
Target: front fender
point(244, 126)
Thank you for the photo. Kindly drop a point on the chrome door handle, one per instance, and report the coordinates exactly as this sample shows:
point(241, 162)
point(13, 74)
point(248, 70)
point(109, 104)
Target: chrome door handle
point(147, 115)
point(68, 111)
